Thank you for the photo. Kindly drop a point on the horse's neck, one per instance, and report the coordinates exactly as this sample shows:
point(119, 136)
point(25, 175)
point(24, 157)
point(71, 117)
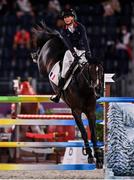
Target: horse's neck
point(52, 52)
point(50, 65)
point(86, 74)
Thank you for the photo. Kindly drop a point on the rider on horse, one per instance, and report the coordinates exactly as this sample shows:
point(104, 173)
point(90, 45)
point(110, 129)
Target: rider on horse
point(75, 38)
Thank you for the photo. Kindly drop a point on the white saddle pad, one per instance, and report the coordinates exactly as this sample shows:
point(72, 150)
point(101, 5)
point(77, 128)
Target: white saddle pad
point(54, 75)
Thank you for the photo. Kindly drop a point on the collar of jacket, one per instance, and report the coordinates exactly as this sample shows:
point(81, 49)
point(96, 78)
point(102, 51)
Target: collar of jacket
point(75, 24)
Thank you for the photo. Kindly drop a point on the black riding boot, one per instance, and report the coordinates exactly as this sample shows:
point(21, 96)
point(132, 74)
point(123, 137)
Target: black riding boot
point(56, 98)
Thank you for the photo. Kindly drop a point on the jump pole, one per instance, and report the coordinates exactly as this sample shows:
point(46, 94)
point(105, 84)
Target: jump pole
point(42, 167)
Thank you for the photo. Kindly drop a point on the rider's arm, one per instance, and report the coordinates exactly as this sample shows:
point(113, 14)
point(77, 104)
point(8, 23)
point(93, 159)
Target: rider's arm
point(67, 42)
point(85, 38)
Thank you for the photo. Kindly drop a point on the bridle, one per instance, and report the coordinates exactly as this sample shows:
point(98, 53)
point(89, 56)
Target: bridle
point(97, 82)
point(99, 75)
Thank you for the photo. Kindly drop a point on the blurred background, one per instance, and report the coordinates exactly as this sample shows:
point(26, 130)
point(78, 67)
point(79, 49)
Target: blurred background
point(109, 25)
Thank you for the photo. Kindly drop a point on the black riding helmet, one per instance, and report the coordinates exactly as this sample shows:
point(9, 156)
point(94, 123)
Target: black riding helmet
point(68, 12)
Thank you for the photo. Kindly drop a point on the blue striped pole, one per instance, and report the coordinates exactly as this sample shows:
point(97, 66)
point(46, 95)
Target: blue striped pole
point(47, 144)
point(116, 99)
point(42, 167)
point(41, 98)
point(52, 122)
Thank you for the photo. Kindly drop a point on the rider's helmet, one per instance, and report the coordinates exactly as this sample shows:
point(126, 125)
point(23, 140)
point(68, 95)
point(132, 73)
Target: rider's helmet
point(68, 12)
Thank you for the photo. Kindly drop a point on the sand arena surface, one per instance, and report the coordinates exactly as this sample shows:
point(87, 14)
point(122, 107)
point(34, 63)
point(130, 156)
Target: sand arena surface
point(95, 174)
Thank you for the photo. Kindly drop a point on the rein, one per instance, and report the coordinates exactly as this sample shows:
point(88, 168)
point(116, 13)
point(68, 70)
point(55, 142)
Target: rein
point(88, 81)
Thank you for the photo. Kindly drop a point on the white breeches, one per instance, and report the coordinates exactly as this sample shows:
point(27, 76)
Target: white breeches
point(68, 60)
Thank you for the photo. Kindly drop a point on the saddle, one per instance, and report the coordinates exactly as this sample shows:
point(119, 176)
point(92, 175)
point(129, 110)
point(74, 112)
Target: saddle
point(54, 75)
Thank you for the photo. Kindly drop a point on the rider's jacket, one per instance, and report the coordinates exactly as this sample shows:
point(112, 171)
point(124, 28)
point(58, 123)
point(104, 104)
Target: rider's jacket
point(76, 37)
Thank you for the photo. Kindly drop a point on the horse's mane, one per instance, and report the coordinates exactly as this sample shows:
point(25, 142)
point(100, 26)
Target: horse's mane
point(43, 33)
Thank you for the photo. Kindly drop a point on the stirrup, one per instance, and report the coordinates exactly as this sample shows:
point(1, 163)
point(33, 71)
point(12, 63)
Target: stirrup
point(55, 98)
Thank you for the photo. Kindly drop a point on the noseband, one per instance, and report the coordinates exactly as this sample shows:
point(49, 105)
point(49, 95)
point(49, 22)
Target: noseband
point(95, 75)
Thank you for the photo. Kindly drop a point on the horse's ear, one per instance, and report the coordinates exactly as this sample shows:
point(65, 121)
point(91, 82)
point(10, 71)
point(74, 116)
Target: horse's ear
point(34, 30)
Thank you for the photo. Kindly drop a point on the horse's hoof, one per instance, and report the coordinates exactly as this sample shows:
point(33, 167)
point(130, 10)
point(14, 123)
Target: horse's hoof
point(91, 160)
point(99, 165)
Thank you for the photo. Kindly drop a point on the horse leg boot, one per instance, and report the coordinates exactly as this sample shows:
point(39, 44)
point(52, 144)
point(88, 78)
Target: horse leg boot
point(98, 152)
point(86, 150)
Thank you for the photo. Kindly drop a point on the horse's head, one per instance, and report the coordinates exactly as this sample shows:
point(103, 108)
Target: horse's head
point(96, 73)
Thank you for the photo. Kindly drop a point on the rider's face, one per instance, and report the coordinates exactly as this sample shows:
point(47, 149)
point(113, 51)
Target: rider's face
point(69, 20)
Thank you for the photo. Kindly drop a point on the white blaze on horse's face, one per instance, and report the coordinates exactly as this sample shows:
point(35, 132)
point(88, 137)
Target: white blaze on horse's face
point(97, 78)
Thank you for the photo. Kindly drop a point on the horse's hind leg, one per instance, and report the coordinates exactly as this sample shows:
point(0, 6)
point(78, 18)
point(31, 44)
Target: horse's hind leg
point(77, 116)
point(98, 153)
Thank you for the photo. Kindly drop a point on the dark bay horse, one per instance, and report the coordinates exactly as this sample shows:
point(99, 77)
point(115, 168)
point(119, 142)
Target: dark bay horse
point(80, 94)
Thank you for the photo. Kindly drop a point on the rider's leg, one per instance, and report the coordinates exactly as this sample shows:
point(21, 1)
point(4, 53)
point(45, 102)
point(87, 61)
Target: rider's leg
point(67, 61)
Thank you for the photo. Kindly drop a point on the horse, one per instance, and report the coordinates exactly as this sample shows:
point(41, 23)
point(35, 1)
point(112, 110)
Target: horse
point(80, 94)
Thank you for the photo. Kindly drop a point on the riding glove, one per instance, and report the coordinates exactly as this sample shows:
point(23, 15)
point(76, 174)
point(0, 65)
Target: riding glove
point(76, 57)
point(88, 56)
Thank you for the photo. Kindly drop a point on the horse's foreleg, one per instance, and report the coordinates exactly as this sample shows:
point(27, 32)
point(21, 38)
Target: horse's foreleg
point(92, 125)
point(98, 153)
point(77, 116)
